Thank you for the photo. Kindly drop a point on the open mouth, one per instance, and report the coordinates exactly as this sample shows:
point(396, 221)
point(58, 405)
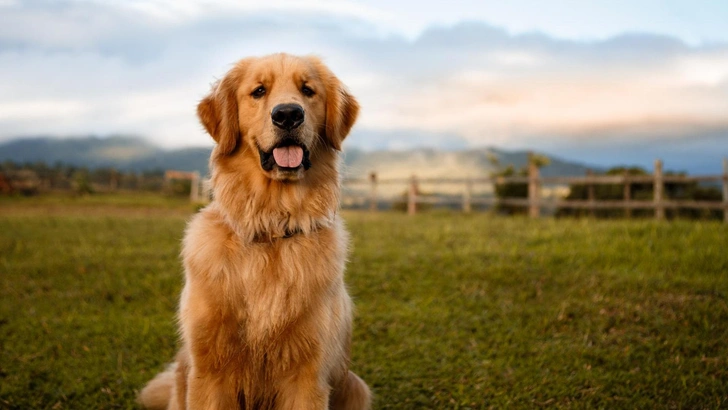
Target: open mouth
point(287, 155)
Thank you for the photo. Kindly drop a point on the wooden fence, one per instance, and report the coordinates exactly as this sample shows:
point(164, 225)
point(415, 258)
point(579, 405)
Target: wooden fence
point(198, 192)
point(534, 203)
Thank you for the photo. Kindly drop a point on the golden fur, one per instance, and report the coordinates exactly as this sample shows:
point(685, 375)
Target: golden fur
point(265, 317)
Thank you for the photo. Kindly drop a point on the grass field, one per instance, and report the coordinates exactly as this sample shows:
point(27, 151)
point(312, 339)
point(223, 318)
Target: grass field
point(453, 311)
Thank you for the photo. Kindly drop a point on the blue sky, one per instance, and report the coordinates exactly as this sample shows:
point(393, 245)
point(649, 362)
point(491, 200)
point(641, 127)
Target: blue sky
point(692, 21)
point(597, 80)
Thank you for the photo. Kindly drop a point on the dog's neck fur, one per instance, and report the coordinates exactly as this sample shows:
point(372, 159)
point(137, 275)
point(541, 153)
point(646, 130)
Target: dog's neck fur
point(258, 207)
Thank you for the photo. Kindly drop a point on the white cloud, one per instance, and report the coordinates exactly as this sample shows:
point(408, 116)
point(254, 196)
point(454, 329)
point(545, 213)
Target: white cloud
point(704, 70)
point(38, 109)
point(515, 58)
point(140, 68)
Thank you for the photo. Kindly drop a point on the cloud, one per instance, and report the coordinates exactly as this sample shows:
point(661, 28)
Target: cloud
point(135, 67)
point(493, 88)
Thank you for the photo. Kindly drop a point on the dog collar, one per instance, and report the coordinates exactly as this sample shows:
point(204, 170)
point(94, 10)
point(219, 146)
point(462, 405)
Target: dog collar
point(269, 238)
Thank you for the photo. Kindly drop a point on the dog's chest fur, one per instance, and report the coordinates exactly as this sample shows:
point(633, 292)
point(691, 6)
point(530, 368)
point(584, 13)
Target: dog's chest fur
point(261, 290)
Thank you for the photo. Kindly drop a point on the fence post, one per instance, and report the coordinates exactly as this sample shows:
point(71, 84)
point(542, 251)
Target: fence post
point(206, 190)
point(725, 190)
point(627, 195)
point(373, 191)
point(533, 189)
point(497, 180)
point(659, 191)
point(467, 195)
point(412, 196)
point(195, 186)
point(590, 192)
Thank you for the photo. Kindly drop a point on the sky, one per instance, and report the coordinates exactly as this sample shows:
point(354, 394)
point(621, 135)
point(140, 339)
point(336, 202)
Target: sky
point(603, 81)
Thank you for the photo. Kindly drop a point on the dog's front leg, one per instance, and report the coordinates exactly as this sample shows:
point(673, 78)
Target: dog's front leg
point(207, 335)
point(209, 392)
point(303, 391)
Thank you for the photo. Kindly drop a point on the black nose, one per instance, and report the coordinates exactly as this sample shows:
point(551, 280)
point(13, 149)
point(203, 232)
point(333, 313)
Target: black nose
point(287, 116)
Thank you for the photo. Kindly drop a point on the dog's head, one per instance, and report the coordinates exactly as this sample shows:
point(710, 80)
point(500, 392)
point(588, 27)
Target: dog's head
point(282, 108)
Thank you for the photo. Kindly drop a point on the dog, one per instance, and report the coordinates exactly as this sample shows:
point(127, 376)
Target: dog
point(265, 318)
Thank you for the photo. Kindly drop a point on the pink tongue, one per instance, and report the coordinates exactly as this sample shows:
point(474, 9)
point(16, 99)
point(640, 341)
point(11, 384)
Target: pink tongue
point(288, 157)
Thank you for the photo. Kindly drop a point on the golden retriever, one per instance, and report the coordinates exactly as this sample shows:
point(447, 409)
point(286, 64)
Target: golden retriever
point(265, 318)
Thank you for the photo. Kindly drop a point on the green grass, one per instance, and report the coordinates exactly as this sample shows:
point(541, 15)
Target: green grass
point(137, 203)
point(453, 311)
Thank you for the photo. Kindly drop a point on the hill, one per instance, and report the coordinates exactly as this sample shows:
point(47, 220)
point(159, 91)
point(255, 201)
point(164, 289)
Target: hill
point(121, 152)
point(136, 154)
point(431, 163)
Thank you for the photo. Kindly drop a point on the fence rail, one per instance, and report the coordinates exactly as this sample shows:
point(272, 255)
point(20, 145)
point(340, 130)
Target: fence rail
point(534, 203)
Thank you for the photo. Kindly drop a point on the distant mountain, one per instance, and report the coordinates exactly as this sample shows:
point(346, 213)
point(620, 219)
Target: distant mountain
point(121, 152)
point(432, 163)
point(136, 154)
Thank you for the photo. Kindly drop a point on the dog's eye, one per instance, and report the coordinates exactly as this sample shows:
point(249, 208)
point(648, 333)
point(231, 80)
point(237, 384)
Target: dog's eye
point(258, 92)
point(308, 91)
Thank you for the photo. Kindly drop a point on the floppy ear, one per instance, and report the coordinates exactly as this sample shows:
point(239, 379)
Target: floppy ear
point(341, 111)
point(218, 113)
